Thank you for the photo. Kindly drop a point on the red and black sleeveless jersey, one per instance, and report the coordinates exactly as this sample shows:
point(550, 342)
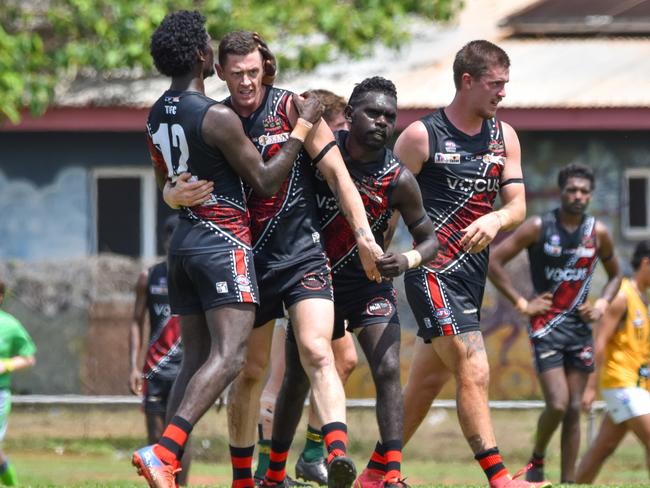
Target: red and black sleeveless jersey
point(375, 181)
point(176, 145)
point(284, 227)
point(562, 263)
point(459, 183)
point(164, 354)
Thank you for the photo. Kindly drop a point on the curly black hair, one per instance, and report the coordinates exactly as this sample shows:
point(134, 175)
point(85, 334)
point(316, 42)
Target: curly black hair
point(642, 250)
point(175, 41)
point(576, 170)
point(373, 84)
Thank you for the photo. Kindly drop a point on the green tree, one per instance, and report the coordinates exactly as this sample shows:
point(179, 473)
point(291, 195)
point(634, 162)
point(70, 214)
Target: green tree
point(47, 42)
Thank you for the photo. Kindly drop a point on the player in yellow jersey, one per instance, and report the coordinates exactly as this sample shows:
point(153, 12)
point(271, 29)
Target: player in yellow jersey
point(622, 352)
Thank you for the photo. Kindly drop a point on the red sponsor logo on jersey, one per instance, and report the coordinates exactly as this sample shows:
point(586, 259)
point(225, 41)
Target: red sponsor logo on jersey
point(379, 307)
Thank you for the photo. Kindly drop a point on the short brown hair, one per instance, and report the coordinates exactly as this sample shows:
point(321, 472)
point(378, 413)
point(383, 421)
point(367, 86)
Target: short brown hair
point(2, 287)
point(333, 104)
point(476, 58)
point(239, 43)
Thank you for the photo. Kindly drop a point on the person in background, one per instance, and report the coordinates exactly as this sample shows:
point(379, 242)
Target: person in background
point(622, 353)
point(16, 352)
point(165, 351)
point(564, 247)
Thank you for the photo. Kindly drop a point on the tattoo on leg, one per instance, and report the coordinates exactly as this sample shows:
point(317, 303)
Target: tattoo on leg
point(477, 444)
point(473, 342)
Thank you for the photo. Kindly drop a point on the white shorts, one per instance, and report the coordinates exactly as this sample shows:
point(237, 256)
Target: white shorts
point(626, 403)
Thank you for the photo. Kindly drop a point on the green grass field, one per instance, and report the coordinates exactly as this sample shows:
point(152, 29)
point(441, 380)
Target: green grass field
point(91, 447)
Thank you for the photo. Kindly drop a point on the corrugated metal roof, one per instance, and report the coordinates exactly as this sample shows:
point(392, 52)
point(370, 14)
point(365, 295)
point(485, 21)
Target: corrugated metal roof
point(545, 73)
point(560, 73)
point(582, 16)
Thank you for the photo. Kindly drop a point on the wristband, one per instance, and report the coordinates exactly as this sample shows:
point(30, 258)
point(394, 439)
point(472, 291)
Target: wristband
point(9, 365)
point(301, 130)
point(413, 258)
point(521, 305)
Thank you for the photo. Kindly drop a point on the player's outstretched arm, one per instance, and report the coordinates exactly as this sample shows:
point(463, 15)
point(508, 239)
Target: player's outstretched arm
point(321, 147)
point(525, 236)
point(222, 129)
point(136, 330)
point(333, 168)
point(407, 199)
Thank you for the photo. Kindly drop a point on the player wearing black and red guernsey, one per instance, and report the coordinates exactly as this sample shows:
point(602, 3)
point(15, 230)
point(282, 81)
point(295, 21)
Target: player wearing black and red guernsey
point(564, 246)
point(211, 277)
point(462, 157)
point(370, 309)
point(165, 351)
point(291, 265)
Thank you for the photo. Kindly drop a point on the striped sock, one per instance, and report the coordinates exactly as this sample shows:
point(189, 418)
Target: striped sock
point(492, 464)
point(263, 451)
point(336, 439)
point(377, 461)
point(537, 460)
point(170, 446)
point(393, 459)
point(313, 449)
point(241, 459)
point(277, 461)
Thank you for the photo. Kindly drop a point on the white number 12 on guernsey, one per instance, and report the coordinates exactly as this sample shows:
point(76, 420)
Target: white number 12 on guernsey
point(165, 139)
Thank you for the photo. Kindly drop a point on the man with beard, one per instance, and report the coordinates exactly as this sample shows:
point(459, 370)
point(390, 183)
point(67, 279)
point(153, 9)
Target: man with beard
point(564, 246)
point(368, 308)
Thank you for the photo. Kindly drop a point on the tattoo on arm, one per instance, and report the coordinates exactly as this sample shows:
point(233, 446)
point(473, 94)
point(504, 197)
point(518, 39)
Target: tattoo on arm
point(360, 232)
point(473, 342)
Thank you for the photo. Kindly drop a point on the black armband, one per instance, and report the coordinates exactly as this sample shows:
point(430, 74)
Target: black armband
point(323, 152)
point(417, 222)
point(510, 181)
